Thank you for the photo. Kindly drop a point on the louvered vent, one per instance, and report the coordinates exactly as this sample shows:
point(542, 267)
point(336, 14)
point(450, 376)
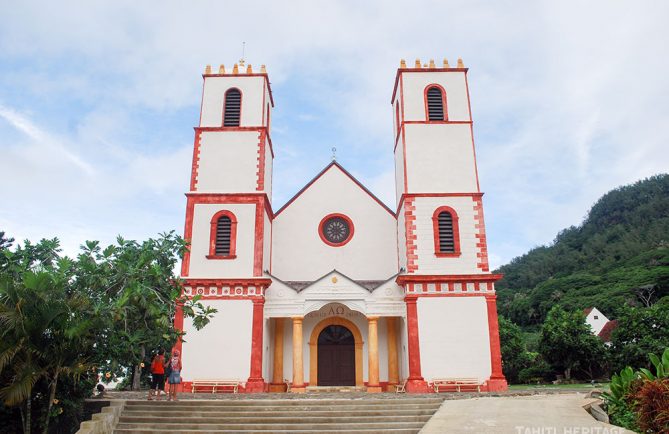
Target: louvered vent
point(223, 229)
point(446, 238)
point(435, 104)
point(233, 106)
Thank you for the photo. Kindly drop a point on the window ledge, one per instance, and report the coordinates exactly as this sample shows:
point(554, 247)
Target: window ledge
point(447, 255)
point(221, 257)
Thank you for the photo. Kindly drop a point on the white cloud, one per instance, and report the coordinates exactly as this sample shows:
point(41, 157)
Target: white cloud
point(569, 98)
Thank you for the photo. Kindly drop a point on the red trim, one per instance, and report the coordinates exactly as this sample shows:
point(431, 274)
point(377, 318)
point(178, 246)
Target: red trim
point(223, 198)
point(471, 127)
point(188, 235)
point(233, 235)
point(415, 382)
point(481, 243)
point(227, 289)
point(322, 172)
point(456, 232)
point(258, 242)
point(409, 228)
point(263, 74)
point(426, 70)
point(260, 174)
point(256, 383)
point(350, 225)
point(414, 195)
point(179, 325)
point(225, 99)
point(405, 279)
point(196, 160)
point(404, 141)
point(263, 103)
point(443, 102)
point(497, 381)
point(397, 121)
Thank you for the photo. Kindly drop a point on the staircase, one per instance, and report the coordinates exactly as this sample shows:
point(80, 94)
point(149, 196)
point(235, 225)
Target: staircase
point(303, 415)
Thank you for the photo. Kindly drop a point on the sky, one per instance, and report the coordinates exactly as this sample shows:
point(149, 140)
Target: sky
point(98, 101)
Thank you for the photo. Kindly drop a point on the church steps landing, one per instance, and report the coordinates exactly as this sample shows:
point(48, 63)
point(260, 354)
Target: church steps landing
point(396, 414)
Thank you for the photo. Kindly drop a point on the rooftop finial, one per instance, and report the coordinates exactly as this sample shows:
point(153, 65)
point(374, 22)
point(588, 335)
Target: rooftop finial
point(235, 69)
point(460, 63)
point(403, 63)
point(432, 63)
point(418, 63)
point(221, 69)
point(249, 69)
point(207, 69)
point(263, 70)
point(446, 65)
point(334, 154)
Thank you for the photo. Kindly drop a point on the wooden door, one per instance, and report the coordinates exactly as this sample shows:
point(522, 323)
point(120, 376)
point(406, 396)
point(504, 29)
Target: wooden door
point(336, 357)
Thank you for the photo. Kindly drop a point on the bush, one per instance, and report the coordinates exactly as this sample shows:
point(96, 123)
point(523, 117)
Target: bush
point(652, 406)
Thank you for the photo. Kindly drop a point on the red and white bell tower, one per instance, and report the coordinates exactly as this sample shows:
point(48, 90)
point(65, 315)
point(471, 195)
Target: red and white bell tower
point(228, 224)
point(441, 232)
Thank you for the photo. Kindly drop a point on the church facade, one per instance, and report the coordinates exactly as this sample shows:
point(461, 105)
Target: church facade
point(335, 288)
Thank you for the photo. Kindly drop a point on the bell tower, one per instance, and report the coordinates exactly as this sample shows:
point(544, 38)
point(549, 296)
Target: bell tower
point(228, 220)
point(441, 232)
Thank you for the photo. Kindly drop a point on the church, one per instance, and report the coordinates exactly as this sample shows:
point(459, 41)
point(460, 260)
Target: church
point(335, 288)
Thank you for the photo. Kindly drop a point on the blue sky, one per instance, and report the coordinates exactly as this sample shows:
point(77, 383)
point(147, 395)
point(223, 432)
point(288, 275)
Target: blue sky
point(98, 101)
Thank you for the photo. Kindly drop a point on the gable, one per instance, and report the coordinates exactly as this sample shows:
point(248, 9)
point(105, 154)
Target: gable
point(300, 252)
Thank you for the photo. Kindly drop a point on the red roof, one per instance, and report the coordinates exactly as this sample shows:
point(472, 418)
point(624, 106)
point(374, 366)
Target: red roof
point(605, 333)
point(587, 311)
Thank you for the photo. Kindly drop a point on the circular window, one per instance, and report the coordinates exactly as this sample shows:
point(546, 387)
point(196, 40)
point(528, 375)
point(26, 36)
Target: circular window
point(336, 229)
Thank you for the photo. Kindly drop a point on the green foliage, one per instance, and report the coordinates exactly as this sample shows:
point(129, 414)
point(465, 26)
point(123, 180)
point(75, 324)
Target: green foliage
point(661, 366)
point(515, 357)
point(618, 257)
point(639, 332)
point(567, 343)
point(64, 320)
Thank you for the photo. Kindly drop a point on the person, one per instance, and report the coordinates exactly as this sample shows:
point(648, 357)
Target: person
point(175, 374)
point(157, 375)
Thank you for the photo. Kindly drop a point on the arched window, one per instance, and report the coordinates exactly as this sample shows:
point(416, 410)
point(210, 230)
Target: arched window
point(223, 236)
point(435, 103)
point(232, 108)
point(446, 232)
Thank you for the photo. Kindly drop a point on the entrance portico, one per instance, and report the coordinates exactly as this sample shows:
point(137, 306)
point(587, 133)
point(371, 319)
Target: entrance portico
point(335, 332)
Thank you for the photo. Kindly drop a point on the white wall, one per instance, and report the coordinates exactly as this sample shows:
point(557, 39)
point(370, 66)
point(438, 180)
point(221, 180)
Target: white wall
point(242, 266)
point(399, 171)
point(414, 84)
point(298, 253)
point(428, 262)
point(228, 162)
point(222, 349)
point(252, 89)
point(401, 239)
point(596, 320)
point(269, 167)
point(454, 338)
point(440, 158)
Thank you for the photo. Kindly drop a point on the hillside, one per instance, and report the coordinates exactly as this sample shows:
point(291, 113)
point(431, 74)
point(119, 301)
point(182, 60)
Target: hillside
point(621, 249)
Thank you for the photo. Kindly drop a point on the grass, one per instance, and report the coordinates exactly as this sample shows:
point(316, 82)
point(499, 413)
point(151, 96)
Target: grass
point(578, 386)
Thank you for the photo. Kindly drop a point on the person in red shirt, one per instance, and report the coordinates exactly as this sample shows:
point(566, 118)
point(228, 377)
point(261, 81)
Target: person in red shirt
point(157, 375)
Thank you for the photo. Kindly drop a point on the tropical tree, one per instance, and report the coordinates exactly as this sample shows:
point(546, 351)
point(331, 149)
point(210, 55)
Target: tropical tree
point(567, 343)
point(514, 352)
point(640, 331)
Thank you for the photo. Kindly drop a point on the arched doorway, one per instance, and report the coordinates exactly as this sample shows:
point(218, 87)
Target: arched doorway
point(313, 348)
point(336, 356)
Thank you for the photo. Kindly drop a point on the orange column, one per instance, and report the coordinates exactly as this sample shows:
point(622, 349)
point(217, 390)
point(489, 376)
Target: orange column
point(415, 382)
point(298, 368)
point(373, 354)
point(393, 363)
point(255, 383)
point(277, 384)
point(497, 381)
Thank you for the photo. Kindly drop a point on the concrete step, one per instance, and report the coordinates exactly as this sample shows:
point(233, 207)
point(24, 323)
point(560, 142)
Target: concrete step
point(296, 406)
point(270, 426)
point(315, 413)
point(280, 402)
point(274, 419)
point(305, 431)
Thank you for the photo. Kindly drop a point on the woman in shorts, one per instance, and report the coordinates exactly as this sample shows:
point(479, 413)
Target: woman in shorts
point(175, 374)
point(157, 375)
